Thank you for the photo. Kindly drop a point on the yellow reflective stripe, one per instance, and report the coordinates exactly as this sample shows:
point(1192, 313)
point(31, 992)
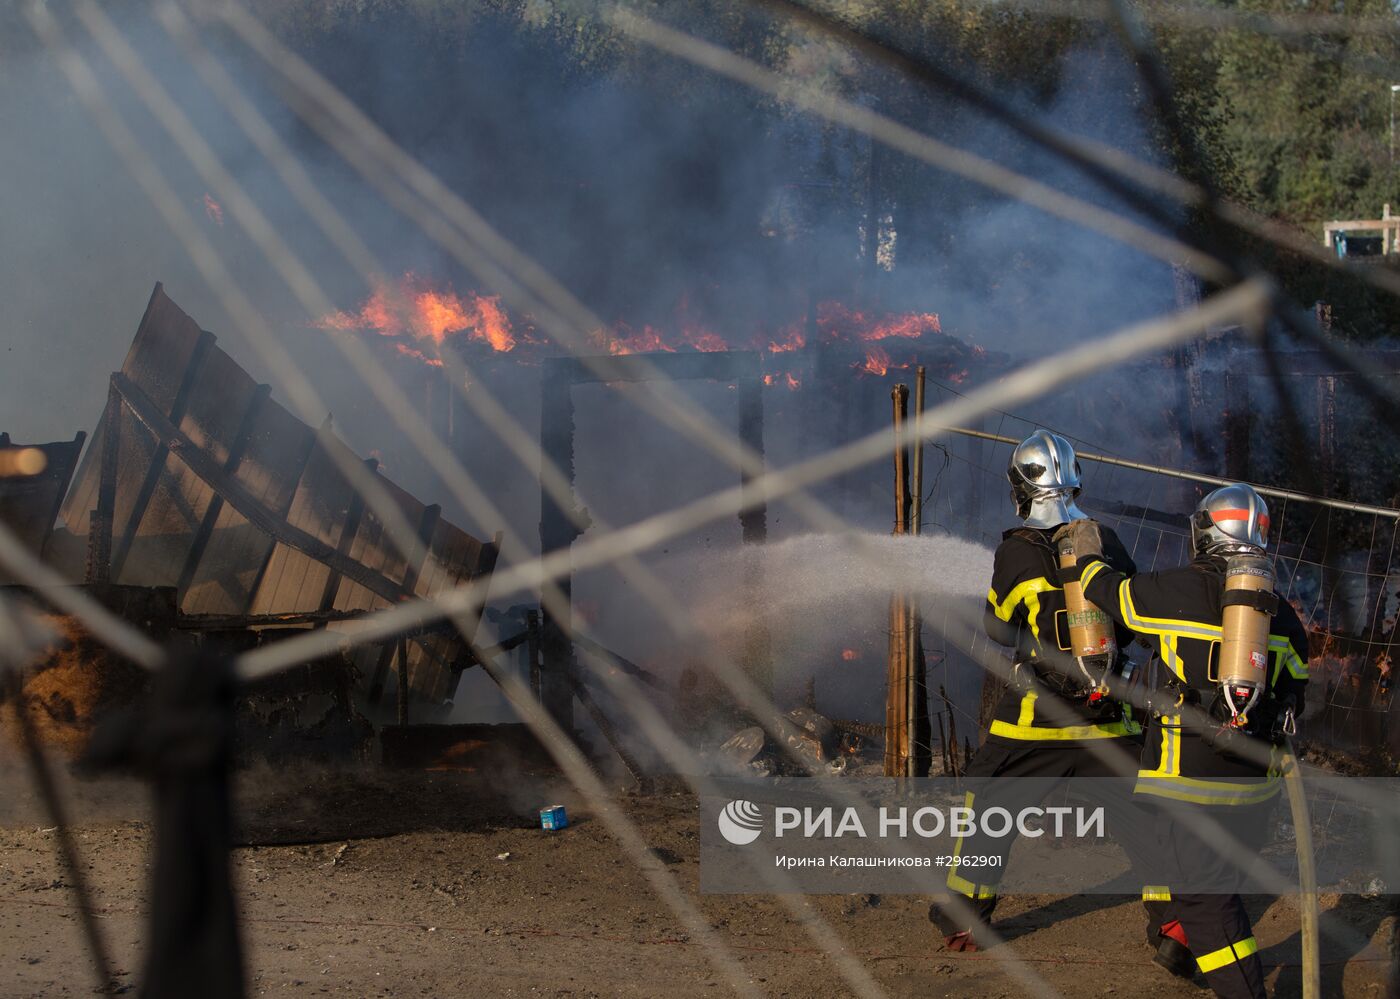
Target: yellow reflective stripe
point(965, 887)
point(1217, 959)
point(1027, 715)
point(1204, 792)
point(1112, 730)
point(1090, 571)
point(1173, 656)
point(1161, 625)
point(1156, 893)
point(1027, 593)
point(1288, 656)
point(961, 885)
point(1169, 762)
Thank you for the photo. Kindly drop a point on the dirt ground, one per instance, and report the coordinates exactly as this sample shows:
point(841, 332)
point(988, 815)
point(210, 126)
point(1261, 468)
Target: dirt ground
point(378, 883)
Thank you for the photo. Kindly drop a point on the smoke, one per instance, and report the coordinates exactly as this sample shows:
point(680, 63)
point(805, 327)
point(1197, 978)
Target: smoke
point(821, 601)
point(653, 191)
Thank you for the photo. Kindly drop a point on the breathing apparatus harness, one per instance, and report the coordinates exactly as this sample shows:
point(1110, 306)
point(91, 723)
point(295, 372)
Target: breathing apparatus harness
point(1241, 705)
point(1084, 671)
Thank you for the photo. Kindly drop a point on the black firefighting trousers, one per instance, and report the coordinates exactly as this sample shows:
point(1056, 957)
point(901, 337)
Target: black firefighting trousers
point(1212, 911)
point(1016, 776)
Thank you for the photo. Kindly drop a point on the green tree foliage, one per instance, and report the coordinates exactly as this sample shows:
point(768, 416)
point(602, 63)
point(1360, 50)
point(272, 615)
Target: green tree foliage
point(1306, 119)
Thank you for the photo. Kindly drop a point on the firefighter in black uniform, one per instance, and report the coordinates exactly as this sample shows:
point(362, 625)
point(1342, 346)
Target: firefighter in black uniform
point(1045, 722)
point(1218, 762)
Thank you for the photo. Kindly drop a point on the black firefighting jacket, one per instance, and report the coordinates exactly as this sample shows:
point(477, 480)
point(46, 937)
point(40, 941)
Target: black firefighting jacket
point(1026, 611)
point(1181, 610)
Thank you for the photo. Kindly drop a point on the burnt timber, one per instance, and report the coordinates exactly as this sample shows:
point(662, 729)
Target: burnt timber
point(197, 480)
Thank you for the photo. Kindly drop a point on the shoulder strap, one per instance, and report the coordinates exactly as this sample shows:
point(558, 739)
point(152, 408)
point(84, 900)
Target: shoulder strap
point(1033, 535)
point(1040, 540)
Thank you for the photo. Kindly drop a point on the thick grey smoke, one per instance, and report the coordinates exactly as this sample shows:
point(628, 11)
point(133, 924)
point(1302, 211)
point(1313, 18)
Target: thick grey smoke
point(718, 208)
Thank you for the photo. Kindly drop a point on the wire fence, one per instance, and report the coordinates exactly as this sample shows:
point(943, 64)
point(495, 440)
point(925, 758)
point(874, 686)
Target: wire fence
point(1346, 597)
point(1343, 583)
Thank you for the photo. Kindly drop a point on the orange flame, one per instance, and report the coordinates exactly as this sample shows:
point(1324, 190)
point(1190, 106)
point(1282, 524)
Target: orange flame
point(850, 655)
point(790, 338)
point(418, 355)
point(213, 209)
point(623, 340)
point(703, 340)
point(837, 322)
point(414, 312)
point(877, 361)
point(414, 309)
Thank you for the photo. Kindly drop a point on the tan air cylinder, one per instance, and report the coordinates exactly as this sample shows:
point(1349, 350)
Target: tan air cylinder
point(1244, 639)
point(1090, 629)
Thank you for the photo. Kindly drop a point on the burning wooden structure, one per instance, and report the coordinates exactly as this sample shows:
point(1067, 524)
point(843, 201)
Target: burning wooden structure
point(197, 482)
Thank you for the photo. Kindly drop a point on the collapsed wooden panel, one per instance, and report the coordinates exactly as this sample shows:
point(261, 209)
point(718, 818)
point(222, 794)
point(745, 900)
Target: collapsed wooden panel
point(246, 510)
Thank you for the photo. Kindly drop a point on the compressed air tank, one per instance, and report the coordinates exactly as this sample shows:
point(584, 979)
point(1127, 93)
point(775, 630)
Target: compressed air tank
point(1244, 641)
point(1090, 629)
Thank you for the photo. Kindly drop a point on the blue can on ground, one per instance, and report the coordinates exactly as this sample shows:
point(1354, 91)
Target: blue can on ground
point(553, 818)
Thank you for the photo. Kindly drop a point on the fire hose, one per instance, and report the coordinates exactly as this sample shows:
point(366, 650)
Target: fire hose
point(1307, 873)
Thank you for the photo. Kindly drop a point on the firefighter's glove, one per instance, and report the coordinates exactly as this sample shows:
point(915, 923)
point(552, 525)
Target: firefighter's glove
point(1082, 536)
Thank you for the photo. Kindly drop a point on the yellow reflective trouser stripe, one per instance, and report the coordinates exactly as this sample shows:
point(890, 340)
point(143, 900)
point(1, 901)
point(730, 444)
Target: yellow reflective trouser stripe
point(961, 885)
point(1113, 730)
point(1217, 959)
point(1156, 893)
point(964, 887)
point(1203, 792)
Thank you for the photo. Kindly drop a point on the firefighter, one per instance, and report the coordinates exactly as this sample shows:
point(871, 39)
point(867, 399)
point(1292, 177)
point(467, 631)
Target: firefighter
point(1048, 718)
point(1209, 774)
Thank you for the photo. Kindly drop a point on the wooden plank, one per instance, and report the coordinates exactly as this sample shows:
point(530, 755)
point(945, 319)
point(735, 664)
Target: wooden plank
point(295, 580)
point(216, 505)
point(237, 497)
point(230, 571)
point(157, 466)
point(427, 523)
point(348, 530)
point(304, 460)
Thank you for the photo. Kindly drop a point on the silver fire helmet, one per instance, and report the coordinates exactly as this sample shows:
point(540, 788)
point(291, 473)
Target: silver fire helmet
point(1231, 520)
point(1044, 476)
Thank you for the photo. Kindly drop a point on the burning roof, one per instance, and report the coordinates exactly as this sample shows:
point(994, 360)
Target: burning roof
point(418, 316)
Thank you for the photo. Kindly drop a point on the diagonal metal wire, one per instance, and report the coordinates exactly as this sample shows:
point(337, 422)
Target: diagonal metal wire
point(565, 753)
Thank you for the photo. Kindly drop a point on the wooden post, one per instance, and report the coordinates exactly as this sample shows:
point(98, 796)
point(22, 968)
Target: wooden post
point(897, 708)
point(916, 520)
point(900, 395)
point(920, 733)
